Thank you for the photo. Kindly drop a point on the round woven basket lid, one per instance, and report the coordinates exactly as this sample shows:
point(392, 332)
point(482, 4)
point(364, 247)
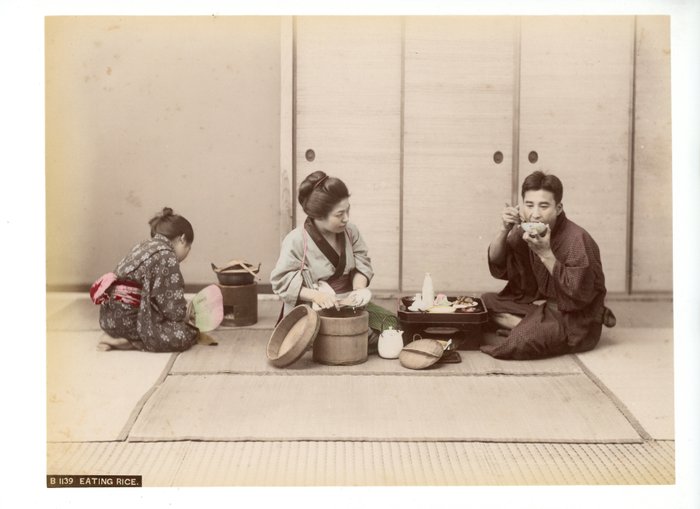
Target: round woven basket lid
point(293, 336)
point(421, 353)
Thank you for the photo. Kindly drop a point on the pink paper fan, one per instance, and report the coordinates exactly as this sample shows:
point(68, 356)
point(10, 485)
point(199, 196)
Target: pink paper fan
point(208, 307)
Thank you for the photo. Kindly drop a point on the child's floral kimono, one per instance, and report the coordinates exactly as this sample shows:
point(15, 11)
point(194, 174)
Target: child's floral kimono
point(144, 299)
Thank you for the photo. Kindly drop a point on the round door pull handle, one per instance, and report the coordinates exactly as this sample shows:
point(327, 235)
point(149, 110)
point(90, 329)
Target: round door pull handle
point(310, 155)
point(532, 157)
point(498, 157)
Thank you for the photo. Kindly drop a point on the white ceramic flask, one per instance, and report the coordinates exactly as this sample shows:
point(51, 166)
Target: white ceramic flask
point(428, 290)
point(390, 343)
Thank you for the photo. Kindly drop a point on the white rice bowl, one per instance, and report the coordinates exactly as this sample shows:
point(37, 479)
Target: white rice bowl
point(534, 228)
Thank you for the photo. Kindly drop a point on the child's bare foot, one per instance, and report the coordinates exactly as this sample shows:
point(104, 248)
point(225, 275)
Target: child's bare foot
point(109, 343)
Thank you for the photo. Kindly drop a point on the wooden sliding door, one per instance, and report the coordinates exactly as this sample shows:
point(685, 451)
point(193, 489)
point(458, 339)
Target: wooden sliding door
point(458, 133)
point(348, 118)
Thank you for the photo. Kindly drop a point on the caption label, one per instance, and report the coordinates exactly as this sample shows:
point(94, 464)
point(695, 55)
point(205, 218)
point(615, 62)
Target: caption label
point(93, 481)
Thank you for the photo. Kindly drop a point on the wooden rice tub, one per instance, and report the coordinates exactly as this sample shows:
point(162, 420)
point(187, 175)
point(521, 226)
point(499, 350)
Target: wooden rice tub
point(342, 340)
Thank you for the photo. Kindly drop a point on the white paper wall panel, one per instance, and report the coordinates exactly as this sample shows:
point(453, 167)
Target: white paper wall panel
point(148, 111)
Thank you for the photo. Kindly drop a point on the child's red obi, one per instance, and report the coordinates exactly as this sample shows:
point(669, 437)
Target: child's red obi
point(122, 290)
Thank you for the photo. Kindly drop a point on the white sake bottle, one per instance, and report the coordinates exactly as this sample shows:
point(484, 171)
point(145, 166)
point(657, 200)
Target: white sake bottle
point(428, 290)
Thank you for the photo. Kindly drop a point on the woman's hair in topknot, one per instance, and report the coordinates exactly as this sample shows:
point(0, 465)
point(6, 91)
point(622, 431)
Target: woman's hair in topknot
point(319, 194)
point(171, 225)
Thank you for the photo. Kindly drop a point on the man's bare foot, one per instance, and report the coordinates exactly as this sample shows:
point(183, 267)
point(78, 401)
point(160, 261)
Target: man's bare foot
point(506, 320)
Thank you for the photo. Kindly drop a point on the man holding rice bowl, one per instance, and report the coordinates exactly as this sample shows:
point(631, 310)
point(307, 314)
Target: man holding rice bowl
point(554, 301)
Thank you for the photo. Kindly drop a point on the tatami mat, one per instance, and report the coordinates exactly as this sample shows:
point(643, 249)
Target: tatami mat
point(636, 365)
point(91, 394)
point(345, 407)
point(368, 463)
point(55, 301)
point(78, 314)
point(158, 463)
point(243, 351)
point(586, 419)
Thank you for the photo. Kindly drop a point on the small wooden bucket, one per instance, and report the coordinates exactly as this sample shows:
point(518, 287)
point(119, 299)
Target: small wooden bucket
point(342, 341)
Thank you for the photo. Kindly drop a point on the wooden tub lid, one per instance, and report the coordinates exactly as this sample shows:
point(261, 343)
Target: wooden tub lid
point(293, 336)
point(421, 354)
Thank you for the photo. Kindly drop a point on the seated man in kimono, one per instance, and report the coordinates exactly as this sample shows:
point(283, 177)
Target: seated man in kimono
point(553, 303)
